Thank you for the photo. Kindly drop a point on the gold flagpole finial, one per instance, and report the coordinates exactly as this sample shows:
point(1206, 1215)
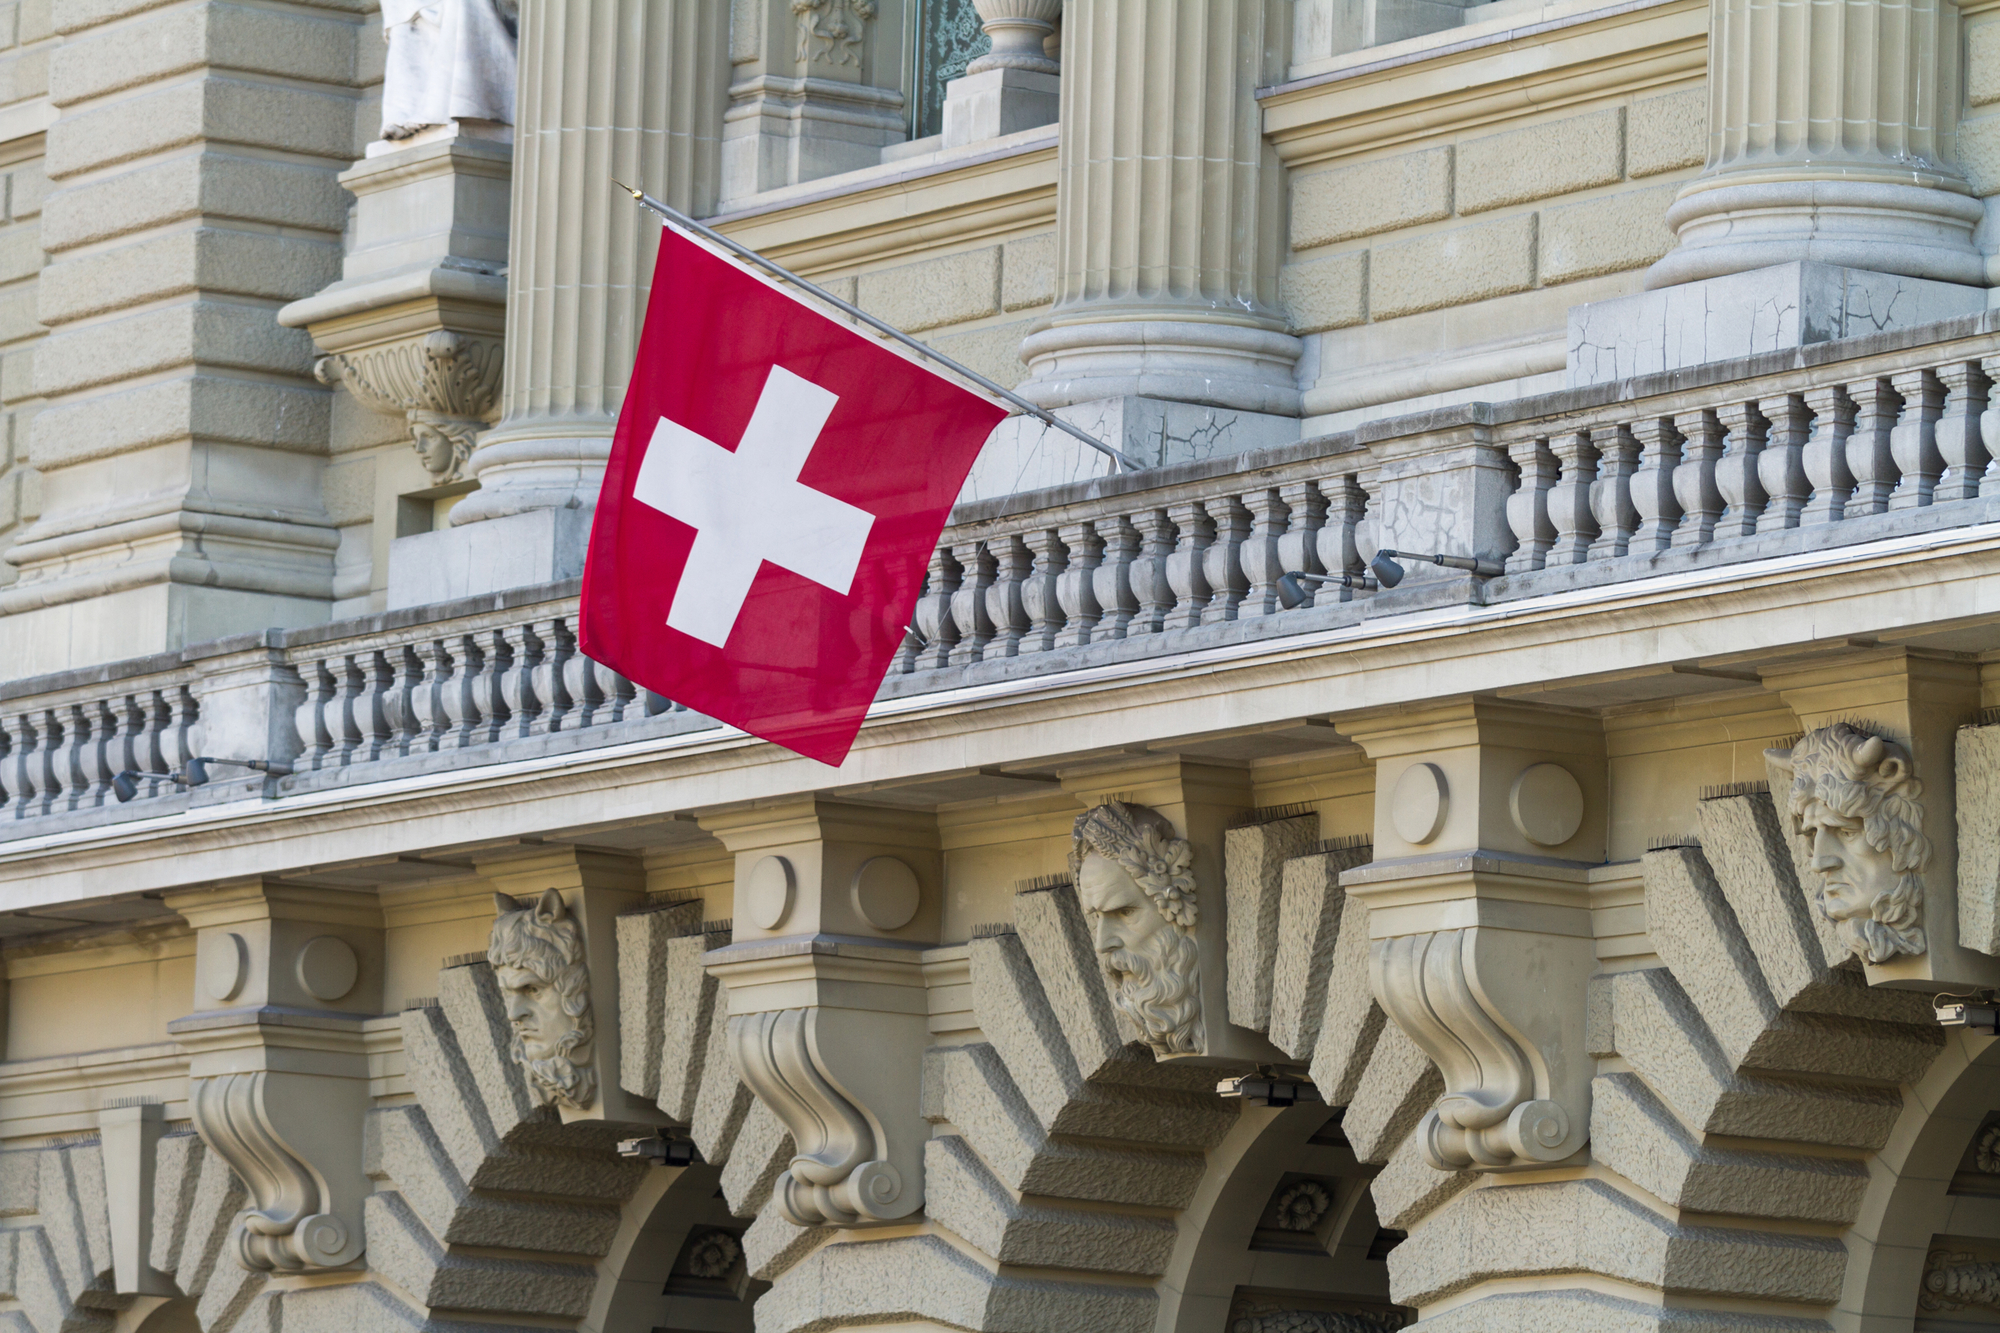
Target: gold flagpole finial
point(636, 194)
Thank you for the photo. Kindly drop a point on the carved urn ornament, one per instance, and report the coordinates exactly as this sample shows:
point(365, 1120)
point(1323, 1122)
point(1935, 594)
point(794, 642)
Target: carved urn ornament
point(1854, 797)
point(536, 951)
point(1135, 877)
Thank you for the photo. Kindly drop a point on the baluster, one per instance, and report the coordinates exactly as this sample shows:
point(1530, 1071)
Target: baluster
point(1298, 547)
point(1368, 527)
point(121, 751)
point(310, 717)
point(1186, 564)
point(616, 695)
point(1824, 457)
point(431, 664)
point(1959, 442)
point(517, 680)
point(371, 707)
point(343, 712)
point(50, 780)
point(1222, 563)
point(1870, 456)
point(456, 662)
point(905, 660)
point(968, 602)
point(1611, 494)
point(590, 689)
point(397, 721)
point(1736, 471)
point(1004, 610)
point(1989, 427)
point(1569, 498)
point(1339, 538)
point(1913, 442)
point(1039, 595)
point(1652, 486)
point(934, 619)
point(549, 680)
point(21, 738)
point(1150, 585)
point(1528, 506)
point(1076, 586)
point(1262, 564)
point(91, 752)
point(150, 743)
point(489, 683)
point(1781, 466)
point(1113, 583)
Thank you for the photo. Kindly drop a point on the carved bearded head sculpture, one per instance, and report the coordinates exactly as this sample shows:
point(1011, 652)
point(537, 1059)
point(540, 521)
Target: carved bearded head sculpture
point(1135, 877)
point(536, 951)
point(1854, 798)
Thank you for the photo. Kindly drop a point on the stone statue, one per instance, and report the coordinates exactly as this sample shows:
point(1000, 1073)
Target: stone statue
point(536, 951)
point(1854, 795)
point(1134, 875)
point(449, 60)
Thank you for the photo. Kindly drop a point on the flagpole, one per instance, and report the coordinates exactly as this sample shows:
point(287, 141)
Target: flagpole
point(680, 219)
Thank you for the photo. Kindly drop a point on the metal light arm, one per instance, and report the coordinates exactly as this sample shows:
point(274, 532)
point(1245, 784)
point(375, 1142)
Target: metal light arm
point(1389, 573)
point(679, 219)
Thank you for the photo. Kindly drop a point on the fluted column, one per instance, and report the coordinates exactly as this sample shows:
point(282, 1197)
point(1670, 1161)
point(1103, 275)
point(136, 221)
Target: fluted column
point(1832, 129)
point(1168, 210)
point(631, 89)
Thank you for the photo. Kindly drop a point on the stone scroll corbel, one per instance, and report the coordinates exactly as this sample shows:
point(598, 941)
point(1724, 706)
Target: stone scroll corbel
point(845, 1171)
point(444, 384)
point(1467, 998)
point(260, 1122)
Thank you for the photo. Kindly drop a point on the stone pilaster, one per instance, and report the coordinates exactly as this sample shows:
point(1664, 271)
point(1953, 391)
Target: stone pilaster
point(1832, 131)
point(624, 88)
point(181, 449)
point(1169, 212)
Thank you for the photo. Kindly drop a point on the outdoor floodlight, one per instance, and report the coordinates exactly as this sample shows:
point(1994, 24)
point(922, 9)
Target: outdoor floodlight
point(1292, 587)
point(1388, 573)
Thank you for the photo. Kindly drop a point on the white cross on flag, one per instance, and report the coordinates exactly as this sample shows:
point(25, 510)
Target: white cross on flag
point(775, 489)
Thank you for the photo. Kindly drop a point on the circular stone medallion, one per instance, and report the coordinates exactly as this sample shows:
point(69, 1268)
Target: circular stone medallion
point(886, 893)
point(1419, 804)
point(1546, 805)
point(221, 962)
point(327, 968)
point(767, 894)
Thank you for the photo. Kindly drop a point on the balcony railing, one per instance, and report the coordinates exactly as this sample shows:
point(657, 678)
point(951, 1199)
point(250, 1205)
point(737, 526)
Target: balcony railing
point(1838, 444)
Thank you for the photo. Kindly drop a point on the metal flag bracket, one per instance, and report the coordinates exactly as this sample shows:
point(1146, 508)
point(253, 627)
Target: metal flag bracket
point(1124, 462)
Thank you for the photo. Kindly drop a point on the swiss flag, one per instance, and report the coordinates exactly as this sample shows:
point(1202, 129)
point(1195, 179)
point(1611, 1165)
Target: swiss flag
point(775, 490)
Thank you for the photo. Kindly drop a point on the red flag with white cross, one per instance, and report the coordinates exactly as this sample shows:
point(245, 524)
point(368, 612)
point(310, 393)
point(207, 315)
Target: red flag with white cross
point(776, 486)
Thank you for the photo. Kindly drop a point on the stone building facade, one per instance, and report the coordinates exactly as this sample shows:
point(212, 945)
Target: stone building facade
point(1530, 732)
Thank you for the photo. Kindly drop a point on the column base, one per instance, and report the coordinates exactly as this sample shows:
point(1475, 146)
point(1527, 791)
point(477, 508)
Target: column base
point(1741, 314)
point(1025, 455)
point(1240, 367)
point(999, 101)
point(515, 551)
point(1914, 231)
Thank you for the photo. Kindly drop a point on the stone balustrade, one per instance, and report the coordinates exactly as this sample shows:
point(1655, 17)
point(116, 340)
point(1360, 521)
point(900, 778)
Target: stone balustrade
point(1836, 444)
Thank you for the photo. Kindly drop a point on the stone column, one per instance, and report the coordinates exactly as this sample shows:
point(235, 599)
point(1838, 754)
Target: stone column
point(1169, 218)
point(1832, 132)
point(630, 89)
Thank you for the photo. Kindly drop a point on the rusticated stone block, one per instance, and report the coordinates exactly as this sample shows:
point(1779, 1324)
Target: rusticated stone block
point(1253, 866)
point(1322, 294)
point(723, 1099)
point(1452, 267)
point(1371, 197)
point(1028, 272)
point(934, 292)
point(1310, 903)
point(1351, 1022)
point(687, 1020)
point(772, 1245)
point(1052, 930)
point(1634, 1135)
point(994, 352)
point(1400, 1085)
point(762, 1150)
point(1978, 773)
point(1744, 844)
point(1409, 1188)
point(1016, 1017)
point(1668, 133)
point(1982, 63)
point(1555, 157)
point(1613, 234)
point(962, 1195)
point(1697, 935)
point(642, 939)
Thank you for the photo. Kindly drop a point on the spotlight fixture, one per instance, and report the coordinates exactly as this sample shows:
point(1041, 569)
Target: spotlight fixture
point(1981, 1017)
point(125, 785)
point(1388, 573)
point(1292, 587)
point(1268, 1087)
point(659, 1150)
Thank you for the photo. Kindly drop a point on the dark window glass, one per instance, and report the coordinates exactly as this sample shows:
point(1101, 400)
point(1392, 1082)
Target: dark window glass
point(948, 39)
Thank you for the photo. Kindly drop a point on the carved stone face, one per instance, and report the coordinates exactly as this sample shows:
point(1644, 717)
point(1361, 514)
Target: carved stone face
point(1853, 875)
point(1135, 882)
point(534, 1011)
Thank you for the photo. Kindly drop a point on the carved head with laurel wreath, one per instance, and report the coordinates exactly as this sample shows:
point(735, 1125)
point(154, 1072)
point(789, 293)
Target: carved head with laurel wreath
point(1854, 796)
point(536, 951)
point(1135, 877)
